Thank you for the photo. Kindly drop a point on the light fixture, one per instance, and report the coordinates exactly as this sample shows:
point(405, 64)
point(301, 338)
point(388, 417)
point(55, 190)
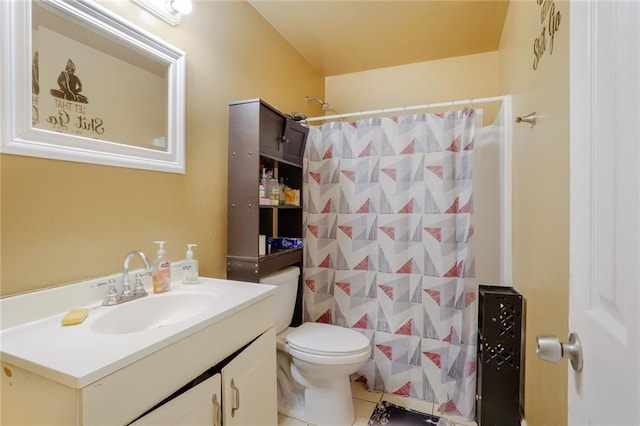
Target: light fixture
point(181, 6)
point(170, 11)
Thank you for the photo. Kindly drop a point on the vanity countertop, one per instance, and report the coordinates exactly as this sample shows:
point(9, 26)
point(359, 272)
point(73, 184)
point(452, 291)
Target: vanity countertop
point(33, 338)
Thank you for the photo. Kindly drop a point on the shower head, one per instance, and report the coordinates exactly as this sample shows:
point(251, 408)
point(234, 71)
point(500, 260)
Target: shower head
point(323, 104)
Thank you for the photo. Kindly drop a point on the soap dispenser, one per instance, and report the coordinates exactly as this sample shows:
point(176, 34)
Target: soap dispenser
point(161, 270)
point(190, 268)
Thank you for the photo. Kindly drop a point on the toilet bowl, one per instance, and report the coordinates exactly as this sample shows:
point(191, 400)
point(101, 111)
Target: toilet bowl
point(314, 361)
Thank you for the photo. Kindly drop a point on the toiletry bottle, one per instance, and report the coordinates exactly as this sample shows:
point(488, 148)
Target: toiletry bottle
point(263, 184)
point(161, 270)
point(264, 188)
point(190, 268)
point(281, 192)
point(275, 192)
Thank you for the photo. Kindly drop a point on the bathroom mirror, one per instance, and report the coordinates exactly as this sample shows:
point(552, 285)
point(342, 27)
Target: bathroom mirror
point(80, 83)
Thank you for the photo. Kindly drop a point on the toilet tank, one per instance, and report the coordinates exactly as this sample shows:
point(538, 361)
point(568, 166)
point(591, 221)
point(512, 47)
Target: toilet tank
point(287, 281)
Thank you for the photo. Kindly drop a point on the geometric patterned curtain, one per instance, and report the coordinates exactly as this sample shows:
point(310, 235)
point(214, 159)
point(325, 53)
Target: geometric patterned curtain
point(388, 233)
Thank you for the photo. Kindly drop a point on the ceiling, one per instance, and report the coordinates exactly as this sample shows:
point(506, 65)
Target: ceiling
point(341, 36)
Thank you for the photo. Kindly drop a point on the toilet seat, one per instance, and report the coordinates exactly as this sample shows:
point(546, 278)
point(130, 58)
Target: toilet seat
point(326, 341)
point(329, 360)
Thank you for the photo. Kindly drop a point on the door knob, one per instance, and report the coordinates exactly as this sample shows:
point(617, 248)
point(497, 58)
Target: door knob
point(549, 348)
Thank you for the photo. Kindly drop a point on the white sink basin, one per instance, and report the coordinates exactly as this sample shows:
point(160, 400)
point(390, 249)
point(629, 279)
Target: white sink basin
point(112, 337)
point(152, 312)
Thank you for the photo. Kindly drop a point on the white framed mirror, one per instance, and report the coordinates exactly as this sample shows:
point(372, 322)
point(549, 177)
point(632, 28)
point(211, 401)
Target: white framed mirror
point(80, 83)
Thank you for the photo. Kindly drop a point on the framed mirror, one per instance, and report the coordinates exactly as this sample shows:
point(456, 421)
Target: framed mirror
point(80, 83)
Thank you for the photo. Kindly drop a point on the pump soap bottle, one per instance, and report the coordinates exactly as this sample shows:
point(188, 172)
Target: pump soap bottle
point(161, 270)
point(190, 268)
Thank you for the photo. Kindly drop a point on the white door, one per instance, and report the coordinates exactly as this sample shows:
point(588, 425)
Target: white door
point(605, 211)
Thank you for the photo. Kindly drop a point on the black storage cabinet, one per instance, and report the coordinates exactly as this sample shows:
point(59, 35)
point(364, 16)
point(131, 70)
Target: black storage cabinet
point(500, 355)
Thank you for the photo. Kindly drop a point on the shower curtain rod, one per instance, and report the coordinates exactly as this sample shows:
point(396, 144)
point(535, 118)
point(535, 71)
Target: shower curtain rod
point(406, 108)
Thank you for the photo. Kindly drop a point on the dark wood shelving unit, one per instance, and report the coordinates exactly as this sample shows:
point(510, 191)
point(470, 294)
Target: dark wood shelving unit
point(262, 136)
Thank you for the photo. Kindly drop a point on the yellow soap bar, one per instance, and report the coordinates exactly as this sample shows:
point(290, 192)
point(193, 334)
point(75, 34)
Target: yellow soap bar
point(75, 316)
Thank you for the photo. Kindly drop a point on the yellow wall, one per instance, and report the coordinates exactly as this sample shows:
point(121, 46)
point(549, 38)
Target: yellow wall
point(463, 77)
point(63, 222)
point(540, 196)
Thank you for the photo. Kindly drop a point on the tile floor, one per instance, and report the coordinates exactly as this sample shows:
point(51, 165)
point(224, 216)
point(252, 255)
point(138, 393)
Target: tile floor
point(364, 403)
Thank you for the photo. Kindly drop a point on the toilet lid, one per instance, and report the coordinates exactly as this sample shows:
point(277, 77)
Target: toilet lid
point(326, 339)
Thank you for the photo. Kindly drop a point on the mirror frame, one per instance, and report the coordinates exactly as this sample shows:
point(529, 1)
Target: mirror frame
point(18, 135)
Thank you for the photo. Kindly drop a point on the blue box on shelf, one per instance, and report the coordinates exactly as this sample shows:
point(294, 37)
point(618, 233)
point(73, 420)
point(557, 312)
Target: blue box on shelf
point(280, 243)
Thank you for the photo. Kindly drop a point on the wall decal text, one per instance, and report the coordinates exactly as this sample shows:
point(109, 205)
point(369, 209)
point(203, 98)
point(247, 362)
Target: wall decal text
point(550, 21)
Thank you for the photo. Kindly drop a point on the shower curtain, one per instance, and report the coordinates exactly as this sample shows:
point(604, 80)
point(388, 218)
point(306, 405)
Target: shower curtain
point(388, 233)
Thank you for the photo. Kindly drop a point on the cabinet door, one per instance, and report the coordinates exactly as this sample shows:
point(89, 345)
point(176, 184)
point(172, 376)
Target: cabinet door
point(294, 141)
point(271, 127)
point(249, 385)
point(199, 405)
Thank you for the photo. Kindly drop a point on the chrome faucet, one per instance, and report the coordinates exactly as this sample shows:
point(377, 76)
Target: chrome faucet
point(126, 287)
point(113, 296)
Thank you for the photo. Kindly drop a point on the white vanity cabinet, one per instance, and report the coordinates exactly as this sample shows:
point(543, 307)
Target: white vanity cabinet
point(246, 387)
point(239, 395)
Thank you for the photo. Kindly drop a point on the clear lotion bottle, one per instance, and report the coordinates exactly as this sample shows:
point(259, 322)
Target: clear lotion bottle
point(190, 268)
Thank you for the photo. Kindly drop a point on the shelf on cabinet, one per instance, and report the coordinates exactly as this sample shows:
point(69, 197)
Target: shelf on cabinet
point(280, 207)
point(279, 259)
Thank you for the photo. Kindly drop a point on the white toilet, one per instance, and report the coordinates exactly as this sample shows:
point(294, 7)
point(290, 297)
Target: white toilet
point(314, 360)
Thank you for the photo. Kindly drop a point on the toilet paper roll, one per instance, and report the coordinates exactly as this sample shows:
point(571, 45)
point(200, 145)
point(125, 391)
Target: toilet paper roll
point(262, 244)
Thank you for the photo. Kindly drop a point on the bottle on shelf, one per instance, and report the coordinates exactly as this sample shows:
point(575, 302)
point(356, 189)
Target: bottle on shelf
point(264, 193)
point(275, 192)
point(281, 192)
